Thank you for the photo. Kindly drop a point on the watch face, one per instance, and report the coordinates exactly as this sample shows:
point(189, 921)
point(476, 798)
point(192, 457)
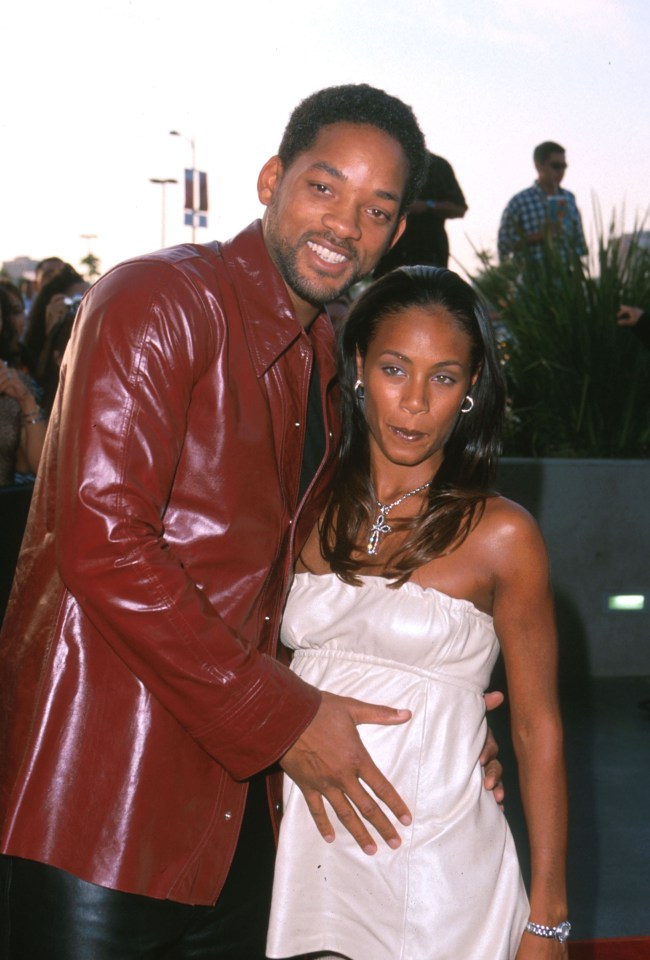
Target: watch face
point(563, 931)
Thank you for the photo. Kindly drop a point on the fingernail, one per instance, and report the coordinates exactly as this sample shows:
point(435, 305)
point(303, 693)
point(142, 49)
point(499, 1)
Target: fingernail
point(329, 838)
point(394, 843)
point(405, 819)
point(370, 849)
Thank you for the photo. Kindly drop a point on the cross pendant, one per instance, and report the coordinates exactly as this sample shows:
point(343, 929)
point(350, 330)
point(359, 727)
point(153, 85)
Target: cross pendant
point(378, 528)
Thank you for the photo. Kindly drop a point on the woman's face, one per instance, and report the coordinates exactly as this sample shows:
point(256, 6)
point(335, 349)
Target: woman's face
point(17, 308)
point(416, 373)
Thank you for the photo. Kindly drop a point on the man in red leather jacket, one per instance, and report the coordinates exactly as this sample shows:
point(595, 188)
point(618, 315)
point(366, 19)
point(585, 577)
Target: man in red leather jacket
point(188, 455)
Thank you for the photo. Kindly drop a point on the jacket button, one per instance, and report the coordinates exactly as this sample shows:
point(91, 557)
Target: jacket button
point(297, 423)
point(227, 815)
point(278, 806)
point(267, 618)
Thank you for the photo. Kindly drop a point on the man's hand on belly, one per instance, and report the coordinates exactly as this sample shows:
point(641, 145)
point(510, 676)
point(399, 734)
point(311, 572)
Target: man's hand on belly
point(329, 760)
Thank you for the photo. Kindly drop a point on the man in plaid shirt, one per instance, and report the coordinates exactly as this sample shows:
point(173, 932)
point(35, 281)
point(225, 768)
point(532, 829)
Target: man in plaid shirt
point(543, 212)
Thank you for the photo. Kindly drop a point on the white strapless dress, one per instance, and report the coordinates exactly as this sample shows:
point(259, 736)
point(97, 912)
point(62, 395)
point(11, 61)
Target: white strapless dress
point(453, 890)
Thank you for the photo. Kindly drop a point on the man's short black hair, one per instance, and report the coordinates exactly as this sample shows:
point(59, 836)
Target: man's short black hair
point(543, 151)
point(358, 103)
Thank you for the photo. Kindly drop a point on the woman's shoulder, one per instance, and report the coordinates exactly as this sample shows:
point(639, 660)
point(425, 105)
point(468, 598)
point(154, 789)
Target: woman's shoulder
point(501, 510)
point(506, 526)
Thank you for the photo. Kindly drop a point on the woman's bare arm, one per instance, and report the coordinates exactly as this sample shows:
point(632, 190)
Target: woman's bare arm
point(525, 624)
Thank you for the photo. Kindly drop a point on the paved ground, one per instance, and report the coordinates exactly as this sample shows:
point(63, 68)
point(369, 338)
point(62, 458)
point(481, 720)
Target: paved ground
point(608, 760)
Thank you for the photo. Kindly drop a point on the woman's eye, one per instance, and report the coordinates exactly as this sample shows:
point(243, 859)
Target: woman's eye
point(392, 371)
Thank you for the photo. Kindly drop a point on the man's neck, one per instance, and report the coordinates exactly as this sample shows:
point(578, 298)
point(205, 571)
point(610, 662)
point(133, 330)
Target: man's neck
point(305, 312)
point(549, 189)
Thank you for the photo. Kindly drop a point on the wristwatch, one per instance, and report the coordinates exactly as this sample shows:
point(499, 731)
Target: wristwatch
point(560, 932)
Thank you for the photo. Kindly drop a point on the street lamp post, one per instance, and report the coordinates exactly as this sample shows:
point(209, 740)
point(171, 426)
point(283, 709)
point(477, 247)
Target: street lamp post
point(192, 143)
point(163, 186)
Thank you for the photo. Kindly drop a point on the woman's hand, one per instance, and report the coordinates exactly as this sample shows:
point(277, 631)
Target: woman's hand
point(14, 385)
point(492, 769)
point(55, 311)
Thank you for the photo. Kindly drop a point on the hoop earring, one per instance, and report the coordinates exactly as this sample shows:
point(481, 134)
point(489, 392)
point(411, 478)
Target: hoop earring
point(468, 400)
point(359, 391)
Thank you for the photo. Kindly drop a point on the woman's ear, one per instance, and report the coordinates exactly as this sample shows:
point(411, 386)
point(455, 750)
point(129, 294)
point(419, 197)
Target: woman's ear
point(269, 177)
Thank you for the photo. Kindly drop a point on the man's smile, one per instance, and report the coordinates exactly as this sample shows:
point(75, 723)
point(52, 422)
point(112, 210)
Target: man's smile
point(329, 256)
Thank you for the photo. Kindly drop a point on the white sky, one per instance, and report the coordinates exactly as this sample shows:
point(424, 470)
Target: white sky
point(91, 90)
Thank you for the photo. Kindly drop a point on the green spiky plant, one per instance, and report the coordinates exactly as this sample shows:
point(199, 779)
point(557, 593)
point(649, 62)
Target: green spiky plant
point(579, 385)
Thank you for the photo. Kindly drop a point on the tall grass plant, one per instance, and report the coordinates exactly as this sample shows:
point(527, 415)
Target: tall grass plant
point(579, 385)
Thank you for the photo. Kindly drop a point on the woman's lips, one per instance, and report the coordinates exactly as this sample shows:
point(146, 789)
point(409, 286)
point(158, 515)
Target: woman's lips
point(409, 435)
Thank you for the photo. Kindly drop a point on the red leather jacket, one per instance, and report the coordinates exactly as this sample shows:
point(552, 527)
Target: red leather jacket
point(139, 684)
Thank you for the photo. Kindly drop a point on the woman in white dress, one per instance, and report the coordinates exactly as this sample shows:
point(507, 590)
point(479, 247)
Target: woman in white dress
point(417, 574)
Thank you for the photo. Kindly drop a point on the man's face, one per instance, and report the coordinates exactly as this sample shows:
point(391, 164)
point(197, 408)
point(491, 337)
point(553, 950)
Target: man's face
point(551, 172)
point(333, 213)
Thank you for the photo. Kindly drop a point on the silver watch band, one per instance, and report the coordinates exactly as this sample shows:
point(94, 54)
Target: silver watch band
point(560, 932)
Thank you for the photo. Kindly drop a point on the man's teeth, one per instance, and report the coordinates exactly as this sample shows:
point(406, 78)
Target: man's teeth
point(325, 254)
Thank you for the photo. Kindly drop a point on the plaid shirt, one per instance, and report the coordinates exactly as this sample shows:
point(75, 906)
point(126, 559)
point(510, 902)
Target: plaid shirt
point(528, 212)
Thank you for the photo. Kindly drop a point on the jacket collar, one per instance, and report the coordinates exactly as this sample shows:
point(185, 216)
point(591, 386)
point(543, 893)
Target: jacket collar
point(269, 320)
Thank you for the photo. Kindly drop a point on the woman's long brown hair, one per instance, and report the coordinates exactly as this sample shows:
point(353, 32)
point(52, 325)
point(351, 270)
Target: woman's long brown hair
point(456, 498)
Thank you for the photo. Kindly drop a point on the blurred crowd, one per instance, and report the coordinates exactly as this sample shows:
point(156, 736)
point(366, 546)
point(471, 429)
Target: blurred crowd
point(35, 324)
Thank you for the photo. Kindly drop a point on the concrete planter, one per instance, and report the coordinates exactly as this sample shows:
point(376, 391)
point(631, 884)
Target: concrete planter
point(595, 516)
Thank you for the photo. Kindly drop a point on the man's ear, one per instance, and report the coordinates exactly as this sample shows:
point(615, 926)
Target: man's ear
point(269, 178)
point(359, 364)
point(401, 224)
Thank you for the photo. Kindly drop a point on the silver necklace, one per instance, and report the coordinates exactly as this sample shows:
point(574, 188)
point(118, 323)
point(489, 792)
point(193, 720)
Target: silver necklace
point(380, 527)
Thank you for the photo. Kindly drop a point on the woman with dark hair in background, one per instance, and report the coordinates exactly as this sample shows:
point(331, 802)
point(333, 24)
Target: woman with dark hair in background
point(50, 322)
point(22, 422)
point(16, 306)
point(414, 577)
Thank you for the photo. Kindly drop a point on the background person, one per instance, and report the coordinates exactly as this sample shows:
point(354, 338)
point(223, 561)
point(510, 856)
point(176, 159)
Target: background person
point(425, 239)
point(545, 212)
point(22, 422)
point(62, 290)
point(638, 319)
point(45, 270)
point(15, 305)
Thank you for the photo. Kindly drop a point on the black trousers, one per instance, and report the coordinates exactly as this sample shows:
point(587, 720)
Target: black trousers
point(48, 914)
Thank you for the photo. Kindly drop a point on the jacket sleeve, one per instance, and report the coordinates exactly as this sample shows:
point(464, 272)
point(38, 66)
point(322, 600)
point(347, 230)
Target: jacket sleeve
point(126, 388)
